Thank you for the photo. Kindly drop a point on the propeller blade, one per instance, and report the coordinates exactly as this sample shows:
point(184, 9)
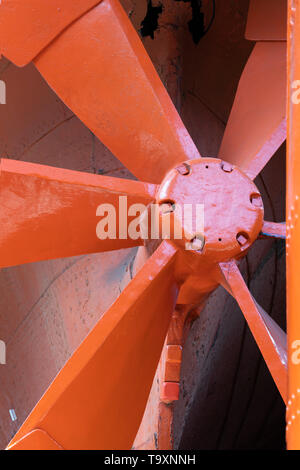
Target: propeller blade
point(273, 230)
point(269, 337)
point(267, 20)
point(256, 126)
point(36, 440)
point(98, 399)
point(37, 24)
point(110, 83)
point(51, 213)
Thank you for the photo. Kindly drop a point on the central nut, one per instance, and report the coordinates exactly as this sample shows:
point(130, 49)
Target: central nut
point(215, 209)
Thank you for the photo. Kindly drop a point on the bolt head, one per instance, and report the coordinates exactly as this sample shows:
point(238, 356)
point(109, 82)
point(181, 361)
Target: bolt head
point(167, 207)
point(184, 169)
point(242, 240)
point(196, 244)
point(226, 167)
point(256, 200)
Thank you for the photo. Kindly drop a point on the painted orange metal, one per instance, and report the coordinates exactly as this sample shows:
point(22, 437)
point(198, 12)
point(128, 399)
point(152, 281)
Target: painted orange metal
point(28, 26)
point(273, 229)
point(257, 123)
point(98, 398)
point(173, 362)
point(165, 438)
point(228, 201)
point(36, 440)
point(52, 213)
point(124, 343)
point(117, 91)
point(155, 431)
point(180, 186)
point(292, 246)
point(97, 401)
point(267, 20)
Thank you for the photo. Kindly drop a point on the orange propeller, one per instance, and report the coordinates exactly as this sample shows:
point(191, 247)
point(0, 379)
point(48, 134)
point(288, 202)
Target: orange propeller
point(110, 83)
point(51, 213)
point(257, 123)
point(98, 399)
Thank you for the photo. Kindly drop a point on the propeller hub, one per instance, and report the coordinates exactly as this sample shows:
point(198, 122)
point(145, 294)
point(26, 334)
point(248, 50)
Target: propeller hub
point(215, 210)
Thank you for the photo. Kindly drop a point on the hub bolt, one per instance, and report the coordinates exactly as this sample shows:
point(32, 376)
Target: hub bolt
point(256, 200)
point(242, 239)
point(226, 167)
point(184, 169)
point(166, 207)
point(196, 244)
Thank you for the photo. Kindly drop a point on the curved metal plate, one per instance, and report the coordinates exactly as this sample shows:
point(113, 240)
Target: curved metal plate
point(28, 26)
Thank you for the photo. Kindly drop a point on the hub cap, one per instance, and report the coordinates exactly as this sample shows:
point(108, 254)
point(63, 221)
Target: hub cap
point(226, 207)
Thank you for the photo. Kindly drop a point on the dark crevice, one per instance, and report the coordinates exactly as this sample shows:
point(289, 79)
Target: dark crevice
point(197, 23)
point(237, 368)
point(150, 22)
